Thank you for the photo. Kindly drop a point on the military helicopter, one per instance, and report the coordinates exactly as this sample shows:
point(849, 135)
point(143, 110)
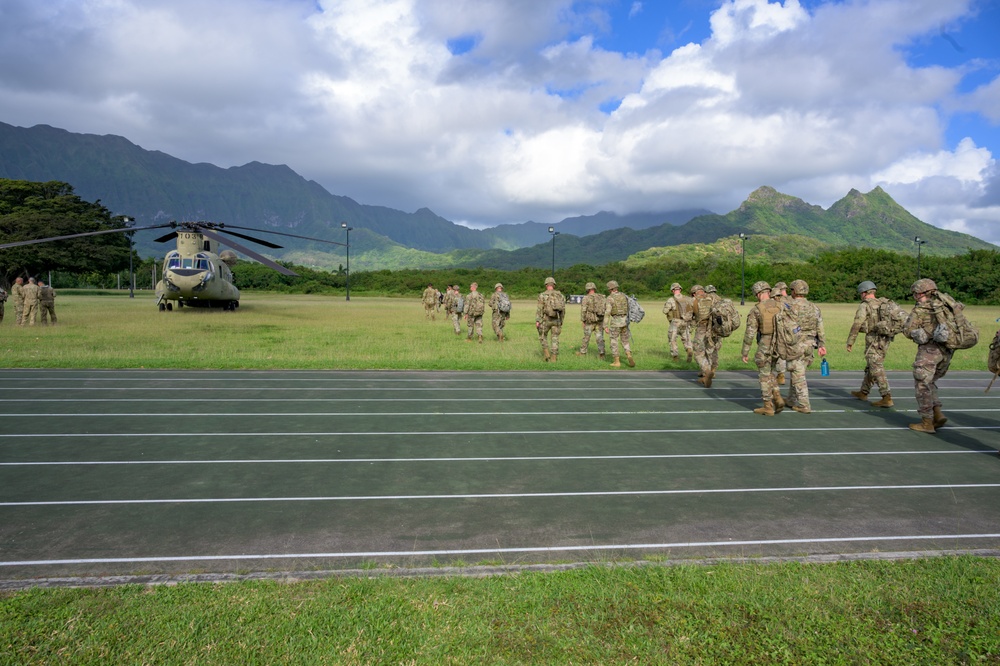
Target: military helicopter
point(196, 273)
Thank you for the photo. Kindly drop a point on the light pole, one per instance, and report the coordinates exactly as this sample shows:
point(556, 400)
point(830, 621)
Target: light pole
point(743, 268)
point(343, 225)
point(919, 241)
point(131, 277)
point(552, 230)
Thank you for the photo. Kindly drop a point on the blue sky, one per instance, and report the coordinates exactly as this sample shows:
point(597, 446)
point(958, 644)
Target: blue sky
point(492, 111)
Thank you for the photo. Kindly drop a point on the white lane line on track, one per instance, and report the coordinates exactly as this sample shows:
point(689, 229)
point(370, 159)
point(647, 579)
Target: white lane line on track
point(471, 433)
point(477, 496)
point(480, 551)
point(658, 456)
point(633, 412)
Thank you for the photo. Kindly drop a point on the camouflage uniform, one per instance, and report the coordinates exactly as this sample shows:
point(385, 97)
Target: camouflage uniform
point(17, 291)
point(760, 327)
point(592, 318)
point(429, 299)
point(703, 344)
point(616, 324)
point(679, 310)
point(779, 294)
point(932, 359)
point(499, 319)
point(47, 303)
point(475, 307)
point(547, 323)
point(3, 301)
point(810, 320)
point(713, 351)
point(451, 309)
point(30, 292)
point(876, 348)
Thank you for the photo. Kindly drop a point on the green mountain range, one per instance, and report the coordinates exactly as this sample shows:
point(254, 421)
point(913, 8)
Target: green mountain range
point(154, 187)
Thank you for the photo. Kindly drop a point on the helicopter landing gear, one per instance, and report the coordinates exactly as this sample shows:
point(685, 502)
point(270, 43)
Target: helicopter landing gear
point(162, 307)
point(231, 306)
point(170, 307)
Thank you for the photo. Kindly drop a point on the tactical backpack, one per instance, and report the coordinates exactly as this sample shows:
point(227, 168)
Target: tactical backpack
point(725, 318)
point(993, 360)
point(635, 311)
point(555, 304)
point(503, 302)
point(459, 304)
point(787, 340)
point(594, 304)
point(962, 334)
point(891, 318)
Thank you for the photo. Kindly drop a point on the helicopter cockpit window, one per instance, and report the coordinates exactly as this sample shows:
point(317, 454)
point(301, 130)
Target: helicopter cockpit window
point(188, 262)
point(173, 260)
point(201, 262)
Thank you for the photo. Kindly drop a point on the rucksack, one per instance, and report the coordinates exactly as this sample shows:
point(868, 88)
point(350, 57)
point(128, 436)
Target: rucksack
point(891, 317)
point(962, 334)
point(503, 302)
point(787, 338)
point(993, 360)
point(555, 304)
point(459, 304)
point(725, 318)
point(635, 311)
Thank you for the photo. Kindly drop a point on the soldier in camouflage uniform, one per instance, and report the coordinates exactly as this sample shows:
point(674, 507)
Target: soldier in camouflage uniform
point(713, 355)
point(17, 292)
point(810, 320)
point(592, 318)
point(703, 343)
point(616, 325)
point(933, 357)
point(3, 301)
point(760, 327)
point(549, 318)
point(876, 346)
point(451, 308)
point(46, 303)
point(30, 292)
point(679, 310)
point(779, 293)
point(499, 319)
point(429, 299)
point(475, 307)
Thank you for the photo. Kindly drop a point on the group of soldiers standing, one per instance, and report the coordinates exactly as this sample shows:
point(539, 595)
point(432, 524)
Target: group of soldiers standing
point(472, 307)
point(32, 301)
point(690, 323)
point(600, 315)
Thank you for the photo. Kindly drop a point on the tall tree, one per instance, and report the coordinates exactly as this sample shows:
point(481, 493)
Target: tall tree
point(31, 210)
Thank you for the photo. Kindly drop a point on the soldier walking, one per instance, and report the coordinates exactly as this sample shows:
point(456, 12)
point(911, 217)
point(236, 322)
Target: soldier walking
point(17, 291)
point(549, 315)
point(810, 320)
point(933, 358)
point(429, 299)
point(452, 308)
point(499, 318)
point(30, 292)
point(760, 327)
point(3, 301)
point(876, 346)
point(616, 325)
point(679, 310)
point(475, 307)
point(779, 294)
point(592, 318)
point(46, 303)
point(703, 343)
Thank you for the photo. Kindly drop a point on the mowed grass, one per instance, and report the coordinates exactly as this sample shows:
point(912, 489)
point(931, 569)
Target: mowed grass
point(273, 331)
point(932, 611)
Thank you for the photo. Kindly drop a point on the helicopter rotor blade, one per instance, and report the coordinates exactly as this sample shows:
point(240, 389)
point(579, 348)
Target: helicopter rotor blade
point(81, 235)
point(163, 239)
point(222, 240)
point(263, 242)
point(282, 233)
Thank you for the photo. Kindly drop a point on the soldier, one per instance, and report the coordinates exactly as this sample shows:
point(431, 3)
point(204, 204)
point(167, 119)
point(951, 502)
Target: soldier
point(933, 357)
point(475, 307)
point(616, 324)
point(760, 326)
point(703, 343)
point(499, 319)
point(451, 308)
point(3, 300)
point(549, 318)
point(779, 293)
point(810, 321)
point(679, 310)
point(876, 346)
point(46, 303)
point(592, 318)
point(713, 353)
point(30, 292)
point(429, 300)
point(17, 291)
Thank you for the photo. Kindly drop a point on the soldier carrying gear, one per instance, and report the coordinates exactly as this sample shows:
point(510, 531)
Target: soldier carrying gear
point(592, 320)
point(760, 328)
point(932, 359)
point(679, 310)
point(616, 324)
point(548, 319)
point(876, 345)
point(703, 344)
point(810, 322)
point(779, 292)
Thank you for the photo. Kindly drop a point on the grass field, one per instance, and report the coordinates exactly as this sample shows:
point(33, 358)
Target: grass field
point(273, 331)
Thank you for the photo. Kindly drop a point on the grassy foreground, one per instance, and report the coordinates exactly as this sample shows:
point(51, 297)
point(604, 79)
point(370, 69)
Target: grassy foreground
point(934, 611)
point(274, 331)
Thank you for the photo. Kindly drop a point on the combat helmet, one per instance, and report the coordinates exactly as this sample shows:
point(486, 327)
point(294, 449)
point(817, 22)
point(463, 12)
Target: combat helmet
point(800, 287)
point(778, 286)
point(710, 289)
point(613, 284)
point(498, 286)
point(550, 280)
point(867, 285)
point(759, 286)
point(695, 288)
point(589, 286)
point(923, 285)
point(676, 285)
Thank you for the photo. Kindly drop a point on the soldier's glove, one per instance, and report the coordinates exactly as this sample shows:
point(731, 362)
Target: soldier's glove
point(940, 333)
point(919, 336)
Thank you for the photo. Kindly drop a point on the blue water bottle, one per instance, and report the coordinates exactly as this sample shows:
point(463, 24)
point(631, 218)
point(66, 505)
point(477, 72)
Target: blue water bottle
point(824, 368)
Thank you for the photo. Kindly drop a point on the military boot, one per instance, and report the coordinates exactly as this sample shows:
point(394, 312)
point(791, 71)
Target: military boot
point(926, 425)
point(631, 361)
point(600, 357)
point(674, 357)
point(501, 336)
point(939, 418)
point(860, 395)
point(616, 363)
point(766, 410)
point(480, 339)
point(709, 376)
point(779, 402)
point(545, 354)
point(802, 410)
point(580, 353)
point(781, 379)
point(690, 356)
point(554, 357)
point(886, 401)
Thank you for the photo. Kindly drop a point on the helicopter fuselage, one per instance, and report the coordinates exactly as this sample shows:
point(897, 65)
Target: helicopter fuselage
point(195, 275)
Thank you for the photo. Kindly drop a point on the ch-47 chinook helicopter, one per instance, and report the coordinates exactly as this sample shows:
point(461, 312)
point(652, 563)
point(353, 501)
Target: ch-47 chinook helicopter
point(196, 273)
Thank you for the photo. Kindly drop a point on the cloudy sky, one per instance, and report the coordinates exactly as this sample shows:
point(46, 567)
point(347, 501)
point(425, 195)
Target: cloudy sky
point(490, 111)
